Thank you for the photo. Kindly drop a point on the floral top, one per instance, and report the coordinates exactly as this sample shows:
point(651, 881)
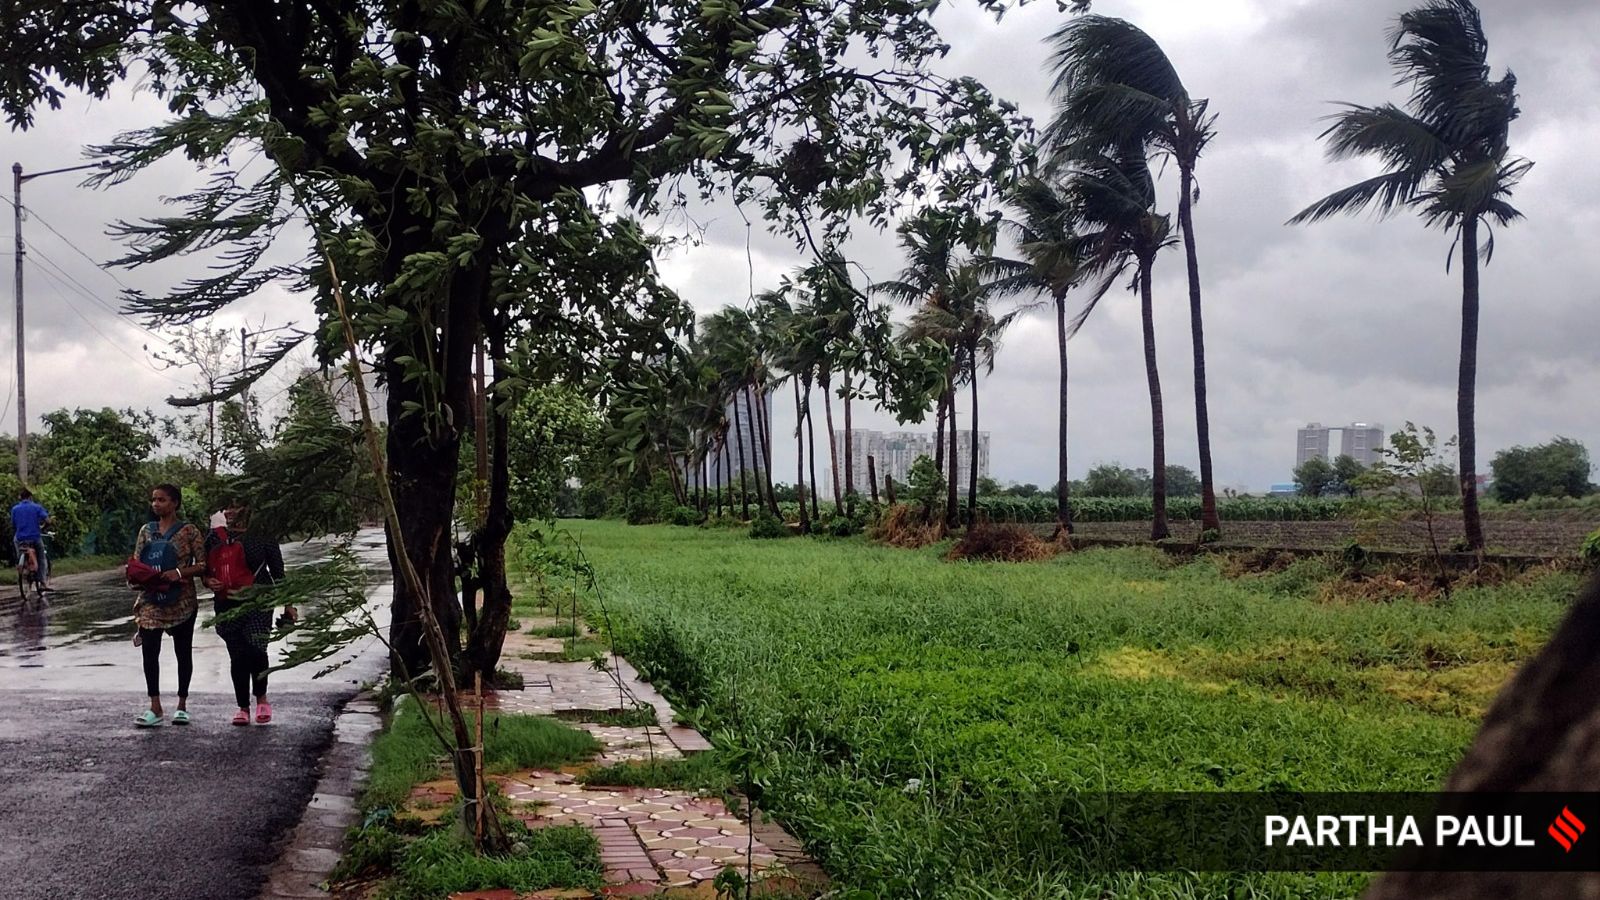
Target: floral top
point(191, 551)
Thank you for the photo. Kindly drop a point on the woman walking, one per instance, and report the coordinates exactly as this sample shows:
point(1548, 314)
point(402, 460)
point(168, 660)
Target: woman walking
point(243, 627)
point(173, 547)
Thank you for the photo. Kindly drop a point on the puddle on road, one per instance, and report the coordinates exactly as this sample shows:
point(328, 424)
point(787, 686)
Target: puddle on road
point(82, 637)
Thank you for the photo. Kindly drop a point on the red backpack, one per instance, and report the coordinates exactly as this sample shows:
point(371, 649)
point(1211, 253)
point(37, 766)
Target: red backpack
point(226, 563)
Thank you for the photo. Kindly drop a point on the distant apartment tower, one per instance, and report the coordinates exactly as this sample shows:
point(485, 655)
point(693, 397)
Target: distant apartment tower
point(1362, 442)
point(725, 466)
point(894, 452)
point(1359, 440)
point(1311, 443)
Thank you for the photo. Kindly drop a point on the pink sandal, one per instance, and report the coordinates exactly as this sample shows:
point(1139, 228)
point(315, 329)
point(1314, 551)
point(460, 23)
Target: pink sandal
point(242, 717)
point(263, 712)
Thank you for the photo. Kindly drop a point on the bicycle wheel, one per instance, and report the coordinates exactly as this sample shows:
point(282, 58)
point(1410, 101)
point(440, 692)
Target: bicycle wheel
point(22, 583)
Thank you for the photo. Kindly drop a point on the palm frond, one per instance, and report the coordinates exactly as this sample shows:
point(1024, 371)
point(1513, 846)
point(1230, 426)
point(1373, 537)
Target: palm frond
point(1402, 141)
point(1388, 192)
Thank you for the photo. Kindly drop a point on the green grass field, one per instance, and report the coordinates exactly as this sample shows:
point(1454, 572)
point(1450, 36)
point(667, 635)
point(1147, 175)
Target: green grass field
point(923, 721)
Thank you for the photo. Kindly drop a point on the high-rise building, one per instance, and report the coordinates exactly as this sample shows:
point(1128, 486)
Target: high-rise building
point(1311, 443)
point(894, 452)
point(1361, 441)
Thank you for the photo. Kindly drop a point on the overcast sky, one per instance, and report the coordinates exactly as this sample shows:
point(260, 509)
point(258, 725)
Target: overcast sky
point(1349, 320)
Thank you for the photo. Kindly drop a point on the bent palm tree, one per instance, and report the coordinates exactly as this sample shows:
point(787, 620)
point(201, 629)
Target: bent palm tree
point(1447, 157)
point(1115, 197)
point(1115, 86)
point(1047, 239)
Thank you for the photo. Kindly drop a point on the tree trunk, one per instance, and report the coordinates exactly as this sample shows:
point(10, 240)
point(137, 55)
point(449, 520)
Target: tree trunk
point(950, 504)
point(888, 487)
point(725, 479)
point(672, 466)
point(833, 443)
point(738, 438)
point(849, 453)
point(800, 459)
point(1063, 480)
point(485, 641)
point(1467, 386)
point(1209, 520)
point(938, 433)
point(1158, 430)
point(757, 403)
point(422, 478)
point(872, 479)
point(811, 438)
point(972, 464)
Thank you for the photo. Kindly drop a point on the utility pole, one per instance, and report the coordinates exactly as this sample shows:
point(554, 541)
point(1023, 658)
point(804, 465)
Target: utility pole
point(17, 178)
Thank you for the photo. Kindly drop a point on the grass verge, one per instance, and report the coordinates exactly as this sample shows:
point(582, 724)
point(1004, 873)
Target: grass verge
point(408, 753)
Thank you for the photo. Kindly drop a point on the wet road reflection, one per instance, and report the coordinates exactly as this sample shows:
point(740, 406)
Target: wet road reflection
point(82, 637)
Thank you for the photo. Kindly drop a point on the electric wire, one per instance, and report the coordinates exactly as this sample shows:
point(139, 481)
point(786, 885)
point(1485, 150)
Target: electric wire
point(57, 285)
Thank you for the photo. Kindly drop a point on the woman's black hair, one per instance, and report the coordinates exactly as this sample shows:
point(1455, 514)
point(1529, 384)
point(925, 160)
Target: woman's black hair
point(173, 492)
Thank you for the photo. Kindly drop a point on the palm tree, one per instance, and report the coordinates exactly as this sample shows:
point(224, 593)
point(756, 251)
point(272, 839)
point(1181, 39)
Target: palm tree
point(1114, 85)
point(1114, 194)
point(955, 296)
point(790, 351)
point(1046, 236)
point(929, 243)
point(1447, 156)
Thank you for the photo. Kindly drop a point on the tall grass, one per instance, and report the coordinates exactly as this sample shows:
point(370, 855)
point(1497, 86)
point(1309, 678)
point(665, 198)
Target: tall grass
point(927, 720)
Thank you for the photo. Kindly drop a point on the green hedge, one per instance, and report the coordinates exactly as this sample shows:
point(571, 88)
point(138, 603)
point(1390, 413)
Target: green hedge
point(1179, 509)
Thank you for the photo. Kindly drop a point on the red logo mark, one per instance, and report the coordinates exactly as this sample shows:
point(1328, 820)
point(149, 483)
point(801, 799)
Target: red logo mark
point(1566, 828)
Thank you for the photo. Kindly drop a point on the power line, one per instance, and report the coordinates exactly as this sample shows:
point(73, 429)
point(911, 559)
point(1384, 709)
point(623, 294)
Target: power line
point(85, 292)
point(68, 241)
point(92, 327)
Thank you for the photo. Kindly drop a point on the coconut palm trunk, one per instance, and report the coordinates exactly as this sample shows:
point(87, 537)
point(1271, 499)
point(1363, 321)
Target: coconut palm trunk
point(800, 458)
point(811, 439)
point(938, 435)
point(849, 452)
point(950, 505)
point(1209, 520)
point(763, 450)
point(1467, 384)
point(738, 437)
point(833, 442)
point(1063, 497)
point(1158, 429)
point(972, 446)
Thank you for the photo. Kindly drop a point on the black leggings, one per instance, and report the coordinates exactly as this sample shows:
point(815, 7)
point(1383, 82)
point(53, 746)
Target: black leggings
point(182, 644)
point(247, 663)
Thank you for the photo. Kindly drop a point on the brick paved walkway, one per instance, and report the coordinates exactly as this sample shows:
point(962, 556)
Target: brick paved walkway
point(653, 842)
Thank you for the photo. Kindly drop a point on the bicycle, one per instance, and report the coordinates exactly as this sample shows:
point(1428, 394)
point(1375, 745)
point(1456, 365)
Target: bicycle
point(29, 572)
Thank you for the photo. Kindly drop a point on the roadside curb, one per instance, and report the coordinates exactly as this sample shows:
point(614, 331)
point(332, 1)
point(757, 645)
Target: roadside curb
point(314, 847)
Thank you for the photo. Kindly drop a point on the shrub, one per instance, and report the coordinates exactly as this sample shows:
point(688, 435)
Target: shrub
point(767, 525)
point(684, 515)
point(842, 526)
point(1589, 551)
point(1004, 542)
point(903, 525)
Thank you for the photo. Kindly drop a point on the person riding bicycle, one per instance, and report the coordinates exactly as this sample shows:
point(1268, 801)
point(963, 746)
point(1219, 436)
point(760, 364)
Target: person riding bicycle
point(28, 520)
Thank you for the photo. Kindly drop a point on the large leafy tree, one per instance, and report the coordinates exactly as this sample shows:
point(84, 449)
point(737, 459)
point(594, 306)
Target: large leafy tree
point(442, 152)
point(1446, 155)
point(1115, 86)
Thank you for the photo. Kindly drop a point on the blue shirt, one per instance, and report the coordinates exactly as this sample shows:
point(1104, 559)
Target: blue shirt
point(27, 517)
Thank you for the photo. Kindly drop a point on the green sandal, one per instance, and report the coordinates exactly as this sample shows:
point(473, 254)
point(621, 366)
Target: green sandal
point(148, 719)
point(181, 717)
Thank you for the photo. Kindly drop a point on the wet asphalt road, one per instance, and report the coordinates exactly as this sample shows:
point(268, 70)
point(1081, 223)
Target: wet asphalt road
point(91, 807)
